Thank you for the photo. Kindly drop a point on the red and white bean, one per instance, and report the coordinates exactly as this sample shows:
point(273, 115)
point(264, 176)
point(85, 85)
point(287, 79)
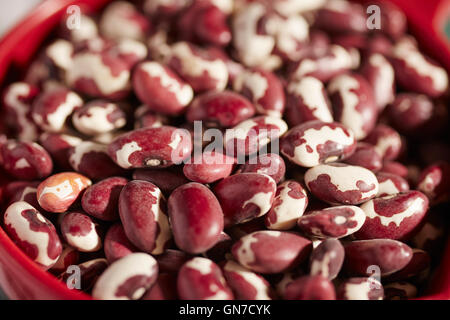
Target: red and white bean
point(196, 217)
point(81, 232)
point(315, 142)
point(127, 278)
point(340, 183)
point(264, 89)
point(271, 251)
point(394, 216)
point(200, 69)
point(59, 191)
point(360, 289)
point(289, 204)
point(416, 72)
point(25, 160)
point(327, 258)
point(202, 279)
point(307, 100)
point(98, 117)
point(385, 256)
point(333, 222)
point(160, 88)
point(145, 223)
point(246, 285)
point(33, 233)
point(151, 147)
point(353, 103)
point(245, 196)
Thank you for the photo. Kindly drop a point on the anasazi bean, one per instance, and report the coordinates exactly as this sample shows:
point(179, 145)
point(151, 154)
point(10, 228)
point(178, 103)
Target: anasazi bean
point(341, 183)
point(196, 217)
point(33, 233)
point(394, 216)
point(310, 288)
point(127, 278)
point(151, 147)
point(271, 251)
point(245, 196)
point(103, 168)
point(144, 222)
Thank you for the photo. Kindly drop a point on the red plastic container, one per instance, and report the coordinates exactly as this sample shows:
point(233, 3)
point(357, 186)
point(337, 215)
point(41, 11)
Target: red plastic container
point(21, 278)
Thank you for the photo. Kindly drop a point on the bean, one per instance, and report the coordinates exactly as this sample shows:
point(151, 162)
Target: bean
point(286, 251)
point(33, 233)
point(394, 216)
point(59, 191)
point(146, 225)
point(127, 279)
point(245, 196)
point(201, 279)
point(315, 142)
point(196, 217)
point(340, 183)
point(151, 147)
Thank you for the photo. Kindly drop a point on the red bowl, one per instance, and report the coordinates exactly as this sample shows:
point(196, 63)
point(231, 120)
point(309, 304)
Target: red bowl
point(21, 278)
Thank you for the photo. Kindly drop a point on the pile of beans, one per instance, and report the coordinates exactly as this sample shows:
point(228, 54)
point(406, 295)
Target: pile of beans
point(348, 204)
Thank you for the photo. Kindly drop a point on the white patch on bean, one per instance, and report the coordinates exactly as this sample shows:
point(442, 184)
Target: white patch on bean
point(116, 23)
point(289, 7)
point(87, 30)
point(254, 81)
point(385, 142)
point(321, 267)
point(338, 58)
point(261, 200)
point(245, 253)
point(61, 190)
point(387, 187)
point(60, 52)
point(358, 291)
point(57, 119)
point(133, 47)
point(22, 163)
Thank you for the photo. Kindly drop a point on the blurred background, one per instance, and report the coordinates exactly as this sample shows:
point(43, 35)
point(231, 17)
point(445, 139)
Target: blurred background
point(10, 13)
